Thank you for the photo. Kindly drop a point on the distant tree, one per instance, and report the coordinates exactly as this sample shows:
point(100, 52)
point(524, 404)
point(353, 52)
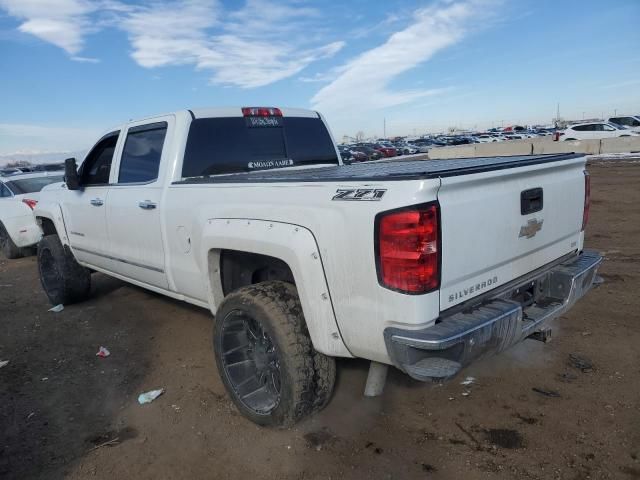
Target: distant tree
point(18, 163)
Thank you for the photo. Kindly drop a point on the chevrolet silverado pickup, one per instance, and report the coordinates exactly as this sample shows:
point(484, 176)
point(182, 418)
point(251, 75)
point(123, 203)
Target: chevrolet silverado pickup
point(251, 213)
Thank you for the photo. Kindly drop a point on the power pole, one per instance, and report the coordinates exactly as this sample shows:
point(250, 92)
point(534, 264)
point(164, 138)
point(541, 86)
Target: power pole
point(385, 127)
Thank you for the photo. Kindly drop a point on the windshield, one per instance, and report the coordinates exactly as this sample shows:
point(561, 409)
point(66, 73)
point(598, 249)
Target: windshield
point(31, 185)
point(234, 144)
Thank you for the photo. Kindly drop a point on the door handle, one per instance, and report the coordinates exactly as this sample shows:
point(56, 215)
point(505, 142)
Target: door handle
point(97, 202)
point(147, 205)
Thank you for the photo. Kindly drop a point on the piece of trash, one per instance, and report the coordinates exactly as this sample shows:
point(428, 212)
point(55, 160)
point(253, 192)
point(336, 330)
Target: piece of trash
point(468, 381)
point(4, 363)
point(30, 415)
point(466, 394)
point(581, 363)
point(567, 377)
point(44, 379)
point(150, 396)
point(546, 393)
point(176, 408)
point(57, 308)
point(103, 352)
point(109, 443)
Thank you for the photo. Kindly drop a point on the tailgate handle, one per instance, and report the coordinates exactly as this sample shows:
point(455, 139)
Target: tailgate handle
point(531, 201)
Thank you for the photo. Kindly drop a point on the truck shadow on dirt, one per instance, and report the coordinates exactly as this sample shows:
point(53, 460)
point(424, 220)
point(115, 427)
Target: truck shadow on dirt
point(58, 400)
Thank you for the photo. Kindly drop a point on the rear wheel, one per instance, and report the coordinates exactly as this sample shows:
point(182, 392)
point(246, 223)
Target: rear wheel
point(7, 246)
point(265, 357)
point(63, 279)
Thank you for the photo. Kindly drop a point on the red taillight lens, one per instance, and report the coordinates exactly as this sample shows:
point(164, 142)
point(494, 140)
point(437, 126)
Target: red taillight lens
point(408, 249)
point(587, 199)
point(261, 112)
point(31, 203)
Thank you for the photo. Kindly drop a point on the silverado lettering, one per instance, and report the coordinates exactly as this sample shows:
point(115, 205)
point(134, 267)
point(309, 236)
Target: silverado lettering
point(473, 289)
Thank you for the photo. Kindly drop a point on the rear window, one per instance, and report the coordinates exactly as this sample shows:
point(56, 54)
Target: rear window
point(233, 144)
point(31, 185)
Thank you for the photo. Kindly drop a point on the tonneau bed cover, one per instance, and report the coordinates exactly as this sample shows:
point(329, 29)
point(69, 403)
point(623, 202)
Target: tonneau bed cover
point(388, 170)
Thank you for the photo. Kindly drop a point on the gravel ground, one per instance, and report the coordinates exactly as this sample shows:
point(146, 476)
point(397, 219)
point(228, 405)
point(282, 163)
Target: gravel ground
point(66, 413)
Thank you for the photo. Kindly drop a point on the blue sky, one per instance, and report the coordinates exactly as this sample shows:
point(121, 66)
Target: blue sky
point(73, 68)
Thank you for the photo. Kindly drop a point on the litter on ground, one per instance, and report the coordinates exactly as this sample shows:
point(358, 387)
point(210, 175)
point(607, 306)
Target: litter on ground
point(103, 352)
point(4, 363)
point(546, 393)
point(150, 396)
point(580, 362)
point(57, 308)
point(468, 381)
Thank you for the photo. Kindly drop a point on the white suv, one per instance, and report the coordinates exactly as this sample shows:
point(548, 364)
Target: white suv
point(593, 130)
point(632, 122)
point(18, 196)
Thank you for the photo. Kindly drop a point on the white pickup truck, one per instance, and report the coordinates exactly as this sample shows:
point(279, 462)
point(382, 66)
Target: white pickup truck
point(249, 212)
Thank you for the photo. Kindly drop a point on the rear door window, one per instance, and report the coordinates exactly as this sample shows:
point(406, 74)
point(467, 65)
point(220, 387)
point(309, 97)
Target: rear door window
point(140, 161)
point(233, 144)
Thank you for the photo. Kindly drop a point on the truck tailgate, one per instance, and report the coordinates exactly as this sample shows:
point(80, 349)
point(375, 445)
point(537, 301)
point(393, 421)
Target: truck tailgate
point(501, 224)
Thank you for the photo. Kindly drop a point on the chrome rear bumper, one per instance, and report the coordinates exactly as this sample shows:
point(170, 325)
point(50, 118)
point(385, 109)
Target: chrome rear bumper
point(441, 351)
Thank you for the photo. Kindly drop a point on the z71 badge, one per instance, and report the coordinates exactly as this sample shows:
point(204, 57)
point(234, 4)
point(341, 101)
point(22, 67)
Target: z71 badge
point(360, 194)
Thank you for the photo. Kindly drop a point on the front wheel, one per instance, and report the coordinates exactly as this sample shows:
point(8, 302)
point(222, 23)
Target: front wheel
point(63, 279)
point(265, 356)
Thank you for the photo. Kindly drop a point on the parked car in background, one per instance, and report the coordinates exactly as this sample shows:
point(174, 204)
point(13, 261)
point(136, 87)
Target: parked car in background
point(406, 149)
point(422, 146)
point(592, 130)
point(359, 156)
point(386, 150)
point(632, 122)
point(19, 194)
point(345, 153)
point(9, 171)
point(485, 138)
point(371, 153)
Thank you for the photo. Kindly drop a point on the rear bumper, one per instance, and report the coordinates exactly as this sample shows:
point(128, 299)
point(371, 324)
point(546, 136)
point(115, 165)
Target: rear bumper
point(441, 351)
point(23, 230)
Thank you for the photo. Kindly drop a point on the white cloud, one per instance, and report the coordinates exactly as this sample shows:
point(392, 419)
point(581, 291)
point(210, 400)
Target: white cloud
point(260, 43)
point(250, 48)
point(364, 84)
point(64, 24)
point(77, 58)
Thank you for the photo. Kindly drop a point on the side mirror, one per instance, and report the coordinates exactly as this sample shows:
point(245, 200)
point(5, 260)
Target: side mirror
point(71, 177)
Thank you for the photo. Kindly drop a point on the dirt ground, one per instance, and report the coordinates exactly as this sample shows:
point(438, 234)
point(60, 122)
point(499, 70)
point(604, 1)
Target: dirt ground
point(66, 413)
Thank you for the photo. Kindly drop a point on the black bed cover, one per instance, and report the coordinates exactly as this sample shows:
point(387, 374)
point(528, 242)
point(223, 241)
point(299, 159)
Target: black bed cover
point(384, 170)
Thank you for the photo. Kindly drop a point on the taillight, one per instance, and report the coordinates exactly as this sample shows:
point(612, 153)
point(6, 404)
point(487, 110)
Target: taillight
point(261, 112)
point(587, 199)
point(408, 249)
point(31, 203)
